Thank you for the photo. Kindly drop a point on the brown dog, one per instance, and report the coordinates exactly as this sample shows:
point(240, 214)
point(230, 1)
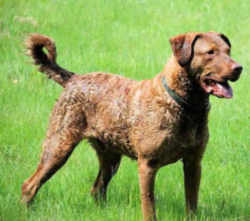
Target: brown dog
point(156, 122)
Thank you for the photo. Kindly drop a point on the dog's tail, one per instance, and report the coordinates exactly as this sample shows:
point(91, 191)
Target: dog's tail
point(46, 61)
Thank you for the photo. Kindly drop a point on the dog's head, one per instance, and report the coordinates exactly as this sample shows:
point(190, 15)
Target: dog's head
point(206, 58)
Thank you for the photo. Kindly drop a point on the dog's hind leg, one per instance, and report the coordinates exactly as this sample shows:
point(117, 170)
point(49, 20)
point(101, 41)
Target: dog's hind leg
point(108, 165)
point(65, 132)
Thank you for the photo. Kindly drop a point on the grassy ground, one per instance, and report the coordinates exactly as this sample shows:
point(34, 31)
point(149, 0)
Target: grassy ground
point(129, 37)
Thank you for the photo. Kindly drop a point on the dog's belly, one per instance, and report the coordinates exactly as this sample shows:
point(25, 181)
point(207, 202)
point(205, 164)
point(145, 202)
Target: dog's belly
point(165, 148)
point(114, 138)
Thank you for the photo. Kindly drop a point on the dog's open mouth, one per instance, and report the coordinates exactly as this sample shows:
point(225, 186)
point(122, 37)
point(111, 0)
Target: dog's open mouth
point(219, 89)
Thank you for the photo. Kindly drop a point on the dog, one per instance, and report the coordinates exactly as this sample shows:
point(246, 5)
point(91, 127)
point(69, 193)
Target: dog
point(156, 122)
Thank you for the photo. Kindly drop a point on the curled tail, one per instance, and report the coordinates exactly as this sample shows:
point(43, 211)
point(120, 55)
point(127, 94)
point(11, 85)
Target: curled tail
point(47, 61)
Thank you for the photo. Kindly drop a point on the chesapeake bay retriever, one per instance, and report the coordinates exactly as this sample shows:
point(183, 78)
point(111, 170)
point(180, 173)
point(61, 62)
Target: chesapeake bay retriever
point(156, 122)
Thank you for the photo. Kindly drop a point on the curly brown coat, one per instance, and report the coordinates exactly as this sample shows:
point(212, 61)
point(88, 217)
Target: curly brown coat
point(120, 116)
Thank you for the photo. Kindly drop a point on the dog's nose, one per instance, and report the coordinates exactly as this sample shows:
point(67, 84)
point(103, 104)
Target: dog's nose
point(237, 69)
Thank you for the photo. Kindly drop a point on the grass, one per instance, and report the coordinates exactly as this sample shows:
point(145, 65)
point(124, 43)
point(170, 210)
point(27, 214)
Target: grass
point(130, 38)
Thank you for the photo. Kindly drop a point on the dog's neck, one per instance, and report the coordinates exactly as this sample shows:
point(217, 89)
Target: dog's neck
point(183, 84)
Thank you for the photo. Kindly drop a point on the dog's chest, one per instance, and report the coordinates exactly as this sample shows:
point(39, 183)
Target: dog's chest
point(185, 136)
point(169, 136)
point(189, 132)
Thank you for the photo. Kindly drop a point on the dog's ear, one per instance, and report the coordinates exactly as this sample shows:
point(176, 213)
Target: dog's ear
point(182, 46)
point(225, 38)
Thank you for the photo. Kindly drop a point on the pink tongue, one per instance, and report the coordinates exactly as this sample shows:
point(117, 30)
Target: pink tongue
point(223, 90)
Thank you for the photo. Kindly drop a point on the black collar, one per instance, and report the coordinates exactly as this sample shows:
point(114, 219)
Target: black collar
point(182, 102)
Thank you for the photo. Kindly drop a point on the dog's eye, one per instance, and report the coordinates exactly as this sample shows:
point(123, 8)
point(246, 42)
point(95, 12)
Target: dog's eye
point(211, 51)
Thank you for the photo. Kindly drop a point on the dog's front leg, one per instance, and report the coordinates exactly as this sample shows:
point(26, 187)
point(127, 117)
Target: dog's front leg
point(146, 179)
point(192, 176)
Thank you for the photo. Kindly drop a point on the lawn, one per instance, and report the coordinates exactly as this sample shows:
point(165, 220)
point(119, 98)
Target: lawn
point(128, 37)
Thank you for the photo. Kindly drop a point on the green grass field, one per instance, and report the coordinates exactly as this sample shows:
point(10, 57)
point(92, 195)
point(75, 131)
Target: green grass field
point(129, 37)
